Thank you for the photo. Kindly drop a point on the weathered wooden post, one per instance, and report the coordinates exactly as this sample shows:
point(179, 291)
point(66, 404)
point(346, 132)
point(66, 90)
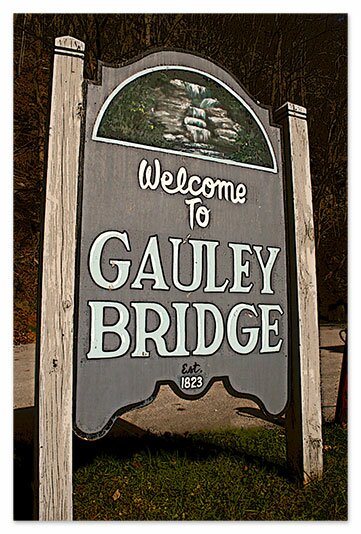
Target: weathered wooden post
point(55, 381)
point(303, 422)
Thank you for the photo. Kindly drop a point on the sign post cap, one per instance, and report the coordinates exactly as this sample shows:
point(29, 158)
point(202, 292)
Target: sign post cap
point(288, 109)
point(67, 41)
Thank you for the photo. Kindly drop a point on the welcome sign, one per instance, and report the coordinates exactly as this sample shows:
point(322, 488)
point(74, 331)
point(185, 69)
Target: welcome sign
point(182, 261)
point(164, 257)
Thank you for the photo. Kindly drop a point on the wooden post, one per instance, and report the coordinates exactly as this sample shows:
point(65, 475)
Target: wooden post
point(55, 379)
point(303, 420)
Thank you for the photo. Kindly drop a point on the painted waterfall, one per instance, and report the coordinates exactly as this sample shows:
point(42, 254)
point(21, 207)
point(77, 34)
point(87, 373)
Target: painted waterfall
point(185, 111)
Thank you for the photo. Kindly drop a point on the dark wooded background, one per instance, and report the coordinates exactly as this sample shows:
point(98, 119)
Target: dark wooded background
point(301, 58)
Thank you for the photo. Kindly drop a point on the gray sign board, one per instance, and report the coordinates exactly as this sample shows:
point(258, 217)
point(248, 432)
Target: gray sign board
point(182, 262)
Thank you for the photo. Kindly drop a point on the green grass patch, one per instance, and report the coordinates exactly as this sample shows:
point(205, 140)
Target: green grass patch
point(224, 475)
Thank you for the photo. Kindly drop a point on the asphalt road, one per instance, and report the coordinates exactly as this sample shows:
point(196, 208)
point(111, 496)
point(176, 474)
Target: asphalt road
point(169, 413)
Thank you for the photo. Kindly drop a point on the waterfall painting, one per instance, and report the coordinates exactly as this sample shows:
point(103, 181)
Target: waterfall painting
point(186, 111)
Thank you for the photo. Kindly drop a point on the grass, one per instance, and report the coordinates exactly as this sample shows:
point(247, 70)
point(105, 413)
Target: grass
point(233, 475)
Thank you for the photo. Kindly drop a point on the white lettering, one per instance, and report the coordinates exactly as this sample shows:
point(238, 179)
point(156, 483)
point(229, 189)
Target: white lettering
point(98, 329)
point(157, 335)
point(197, 269)
point(151, 253)
point(151, 265)
point(146, 182)
point(193, 185)
point(191, 202)
point(267, 328)
point(267, 268)
point(240, 268)
point(230, 325)
point(211, 286)
point(232, 330)
point(95, 260)
point(201, 348)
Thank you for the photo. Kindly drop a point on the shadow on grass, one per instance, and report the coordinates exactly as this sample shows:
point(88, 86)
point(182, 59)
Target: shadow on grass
point(23, 470)
point(122, 442)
